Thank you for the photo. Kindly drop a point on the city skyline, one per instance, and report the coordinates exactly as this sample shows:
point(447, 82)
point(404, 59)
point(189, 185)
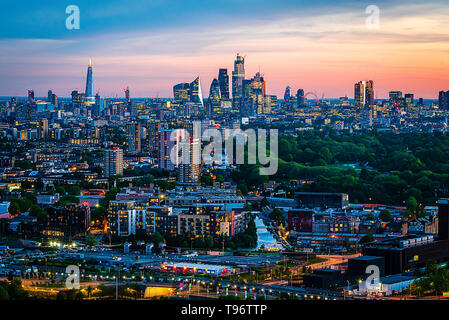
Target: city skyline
point(89, 88)
point(320, 47)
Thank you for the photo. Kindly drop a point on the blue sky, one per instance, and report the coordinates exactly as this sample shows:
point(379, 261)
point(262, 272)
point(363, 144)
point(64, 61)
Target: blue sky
point(152, 45)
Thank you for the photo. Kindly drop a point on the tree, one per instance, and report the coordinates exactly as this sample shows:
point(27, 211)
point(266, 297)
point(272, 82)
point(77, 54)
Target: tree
point(431, 267)
point(199, 242)
point(91, 241)
point(68, 199)
point(38, 212)
point(207, 179)
point(3, 294)
point(74, 190)
point(35, 210)
point(412, 208)
point(367, 238)
point(60, 190)
point(14, 208)
point(243, 189)
point(209, 242)
point(16, 291)
point(385, 215)
point(412, 204)
point(99, 213)
point(157, 238)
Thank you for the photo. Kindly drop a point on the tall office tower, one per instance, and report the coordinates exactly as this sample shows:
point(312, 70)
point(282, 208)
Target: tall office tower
point(255, 90)
point(214, 92)
point(181, 93)
point(369, 93)
point(43, 128)
point(153, 127)
point(189, 167)
point(133, 109)
point(287, 94)
point(267, 104)
point(420, 102)
point(223, 80)
point(99, 105)
point(168, 146)
point(26, 112)
point(395, 98)
point(113, 162)
point(133, 141)
point(31, 95)
point(89, 93)
point(409, 100)
point(196, 96)
point(300, 100)
point(273, 102)
point(360, 94)
point(238, 75)
point(52, 98)
point(443, 100)
point(127, 98)
point(77, 99)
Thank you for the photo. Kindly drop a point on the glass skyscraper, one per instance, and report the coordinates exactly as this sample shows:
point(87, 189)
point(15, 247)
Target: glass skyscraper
point(89, 97)
point(223, 80)
point(238, 75)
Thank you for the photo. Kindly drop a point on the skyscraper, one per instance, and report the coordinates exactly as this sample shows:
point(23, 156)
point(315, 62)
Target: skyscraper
point(133, 141)
point(364, 94)
point(223, 80)
point(215, 92)
point(196, 96)
point(77, 99)
point(127, 98)
point(395, 98)
point(443, 100)
point(254, 89)
point(89, 97)
point(359, 94)
point(99, 105)
point(300, 101)
point(43, 128)
point(168, 146)
point(189, 167)
point(52, 98)
point(238, 75)
point(181, 92)
point(409, 100)
point(369, 93)
point(153, 127)
point(287, 94)
point(31, 95)
point(113, 162)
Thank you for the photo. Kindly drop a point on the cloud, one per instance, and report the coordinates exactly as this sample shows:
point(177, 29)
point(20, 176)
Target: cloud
point(326, 50)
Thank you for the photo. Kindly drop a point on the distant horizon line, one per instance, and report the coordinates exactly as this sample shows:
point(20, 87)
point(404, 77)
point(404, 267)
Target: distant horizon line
point(62, 97)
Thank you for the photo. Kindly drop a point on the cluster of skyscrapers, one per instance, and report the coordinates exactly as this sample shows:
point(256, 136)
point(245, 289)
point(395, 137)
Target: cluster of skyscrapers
point(249, 96)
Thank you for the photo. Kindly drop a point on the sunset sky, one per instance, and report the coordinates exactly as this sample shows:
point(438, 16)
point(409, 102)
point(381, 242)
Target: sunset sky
point(152, 45)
